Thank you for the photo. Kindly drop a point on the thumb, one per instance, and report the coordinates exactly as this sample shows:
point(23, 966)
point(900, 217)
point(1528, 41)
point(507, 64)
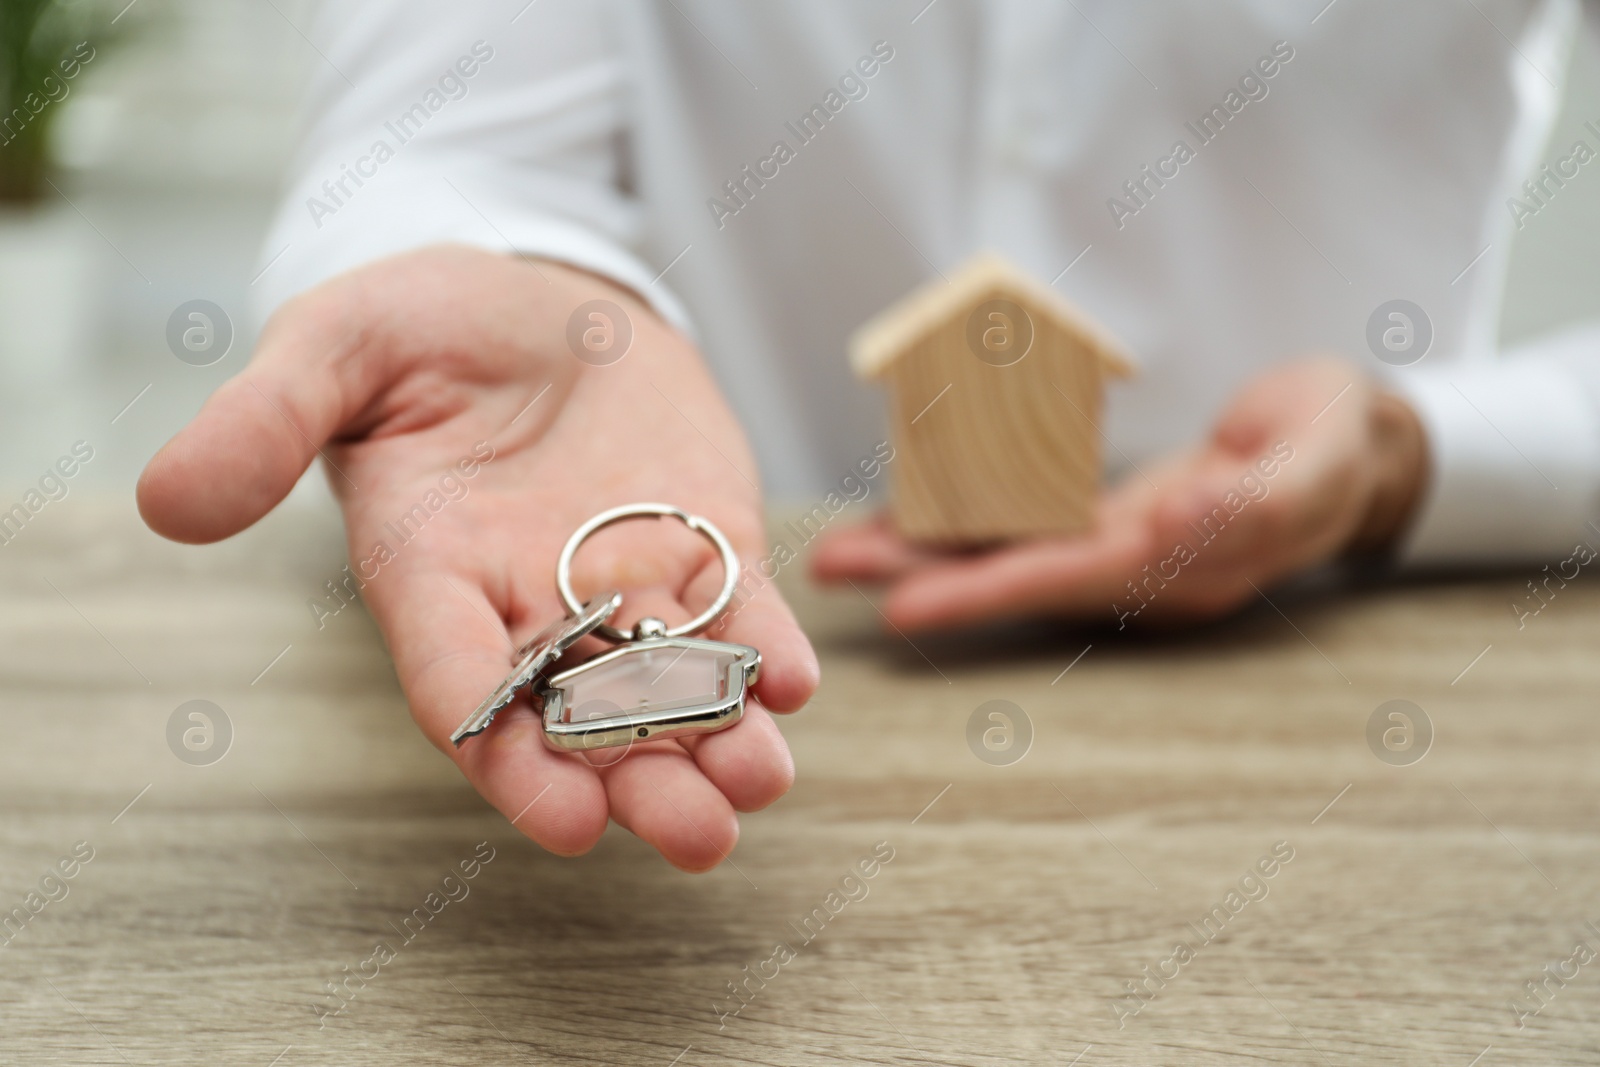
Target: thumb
point(258, 433)
point(1297, 400)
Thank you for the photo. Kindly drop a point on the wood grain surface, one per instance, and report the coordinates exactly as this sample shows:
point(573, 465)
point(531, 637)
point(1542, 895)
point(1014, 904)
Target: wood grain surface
point(1019, 900)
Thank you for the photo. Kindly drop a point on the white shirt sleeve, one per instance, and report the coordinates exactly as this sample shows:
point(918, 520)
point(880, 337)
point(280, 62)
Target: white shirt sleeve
point(493, 123)
point(1514, 448)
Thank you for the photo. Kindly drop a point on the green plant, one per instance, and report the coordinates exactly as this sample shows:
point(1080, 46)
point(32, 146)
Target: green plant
point(43, 46)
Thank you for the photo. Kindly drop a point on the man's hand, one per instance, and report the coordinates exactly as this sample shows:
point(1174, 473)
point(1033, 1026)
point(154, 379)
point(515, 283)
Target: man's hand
point(1309, 462)
point(396, 373)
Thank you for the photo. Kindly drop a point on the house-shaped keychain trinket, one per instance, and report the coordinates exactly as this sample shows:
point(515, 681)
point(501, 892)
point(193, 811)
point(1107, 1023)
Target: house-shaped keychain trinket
point(650, 688)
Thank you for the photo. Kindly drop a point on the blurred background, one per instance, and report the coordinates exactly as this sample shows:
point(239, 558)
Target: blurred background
point(163, 161)
point(151, 181)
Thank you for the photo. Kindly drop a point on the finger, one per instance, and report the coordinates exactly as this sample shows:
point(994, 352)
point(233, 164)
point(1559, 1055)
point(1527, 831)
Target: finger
point(760, 617)
point(256, 435)
point(327, 366)
point(749, 763)
point(1290, 400)
point(1302, 428)
point(757, 616)
point(660, 795)
point(450, 651)
point(1083, 576)
point(1206, 509)
point(872, 551)
point(1268, 511)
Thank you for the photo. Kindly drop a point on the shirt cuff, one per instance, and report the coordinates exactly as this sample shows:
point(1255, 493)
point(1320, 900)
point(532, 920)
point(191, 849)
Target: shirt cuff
point(1514, 451)
point(412, 204)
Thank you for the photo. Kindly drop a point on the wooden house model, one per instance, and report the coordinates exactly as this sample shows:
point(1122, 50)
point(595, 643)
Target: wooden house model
point(995, 387)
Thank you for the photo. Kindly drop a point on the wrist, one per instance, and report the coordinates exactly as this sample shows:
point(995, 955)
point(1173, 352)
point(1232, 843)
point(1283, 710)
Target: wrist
point(1399, 449)
point(573, 285)
point(602, 321)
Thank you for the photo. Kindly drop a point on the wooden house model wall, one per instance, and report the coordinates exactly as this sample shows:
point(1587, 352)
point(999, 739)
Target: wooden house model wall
point(995, 387)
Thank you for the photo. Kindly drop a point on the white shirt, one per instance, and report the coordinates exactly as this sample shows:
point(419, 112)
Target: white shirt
point(1378, 161)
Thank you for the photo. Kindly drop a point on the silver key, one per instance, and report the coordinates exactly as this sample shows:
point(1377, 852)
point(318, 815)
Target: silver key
point(534, 656)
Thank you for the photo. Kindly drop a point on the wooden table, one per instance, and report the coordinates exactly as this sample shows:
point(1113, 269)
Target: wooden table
point(1019, 902)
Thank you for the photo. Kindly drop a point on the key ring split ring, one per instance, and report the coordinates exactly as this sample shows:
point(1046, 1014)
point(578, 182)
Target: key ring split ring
point(730, 564)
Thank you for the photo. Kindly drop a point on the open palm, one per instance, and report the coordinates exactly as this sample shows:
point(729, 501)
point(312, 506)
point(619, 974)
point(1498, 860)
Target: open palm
point(1310, 460)
point(466, 441)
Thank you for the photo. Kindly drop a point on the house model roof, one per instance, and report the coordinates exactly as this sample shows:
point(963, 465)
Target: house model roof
point(903, 324)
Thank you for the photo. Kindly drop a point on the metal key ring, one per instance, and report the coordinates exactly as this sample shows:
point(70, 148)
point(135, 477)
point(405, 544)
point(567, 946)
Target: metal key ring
point(730, 564)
